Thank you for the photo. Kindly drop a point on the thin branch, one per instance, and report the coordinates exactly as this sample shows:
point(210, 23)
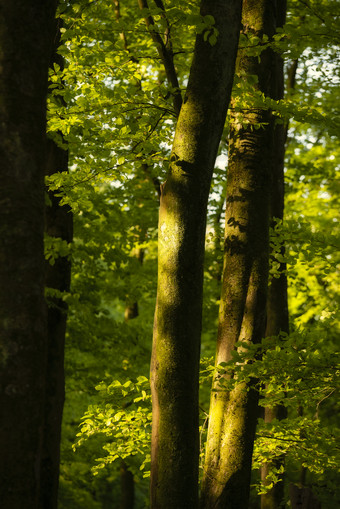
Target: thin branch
point(321, 400)
point(63, 114)
point(165, 52)
point(298, 440)
point(149, 133)
point(291, 71)
point(306, 4)
point(167, 36)
point(121, 34)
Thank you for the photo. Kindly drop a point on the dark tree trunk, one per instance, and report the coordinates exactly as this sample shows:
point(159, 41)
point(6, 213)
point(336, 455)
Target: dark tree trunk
point(233, 415)
point(277, 300)
point(26, 33)
point(182, 224)
point(127, 487)
point(59, 224)
point(127, 483)
point(303, 498)
point(277, 309)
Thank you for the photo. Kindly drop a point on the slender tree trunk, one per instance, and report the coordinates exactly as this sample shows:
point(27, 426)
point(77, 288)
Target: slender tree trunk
point(127, 484)
point(233, 415)
point(274, 498)
point(277, 310)
point(182, 224)
point(59, 224)
point(277, 300)
point(127, 487)
point(26, 32)
point(303, 498)
point(164, 49)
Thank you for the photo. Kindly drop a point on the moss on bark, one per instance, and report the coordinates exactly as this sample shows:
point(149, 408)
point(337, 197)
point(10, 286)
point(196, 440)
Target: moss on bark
point(182, 221)
point(233, 414)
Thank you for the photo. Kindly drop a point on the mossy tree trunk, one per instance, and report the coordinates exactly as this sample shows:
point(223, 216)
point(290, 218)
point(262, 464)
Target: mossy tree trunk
point(233, 414)
point(182, 224)
point(26, 34)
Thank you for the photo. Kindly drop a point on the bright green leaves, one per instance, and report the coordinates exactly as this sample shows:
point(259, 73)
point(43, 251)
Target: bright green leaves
point(125, 419)
point(313, 230)
point(297, 371)
point(302, 440)
point(303, 245)
point(56, 247)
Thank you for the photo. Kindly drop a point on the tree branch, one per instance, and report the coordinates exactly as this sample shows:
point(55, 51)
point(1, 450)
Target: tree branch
point(165, 52)
point(121, 34)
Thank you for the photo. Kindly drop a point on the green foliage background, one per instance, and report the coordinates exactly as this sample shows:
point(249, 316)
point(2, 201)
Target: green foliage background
point(113, 106)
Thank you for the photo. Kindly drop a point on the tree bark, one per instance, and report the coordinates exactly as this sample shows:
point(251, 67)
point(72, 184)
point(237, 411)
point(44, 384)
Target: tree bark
point(127, 487)
point(26, 32)
point(233, 414)
point(277, 309)
point(59, 224)
point(182, 223)
point(277, 300)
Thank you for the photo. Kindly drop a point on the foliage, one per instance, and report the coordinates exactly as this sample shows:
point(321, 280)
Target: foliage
point(114, 107)
point(126, 424)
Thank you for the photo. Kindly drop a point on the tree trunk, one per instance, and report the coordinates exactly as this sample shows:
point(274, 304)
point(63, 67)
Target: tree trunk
point(182, 223)
point(277, 300)
point(233, 415)
point(303, 498)
point(26, 32)
point(127, 487)
point(277, 308)
point(59, 224)
point(127, 483)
